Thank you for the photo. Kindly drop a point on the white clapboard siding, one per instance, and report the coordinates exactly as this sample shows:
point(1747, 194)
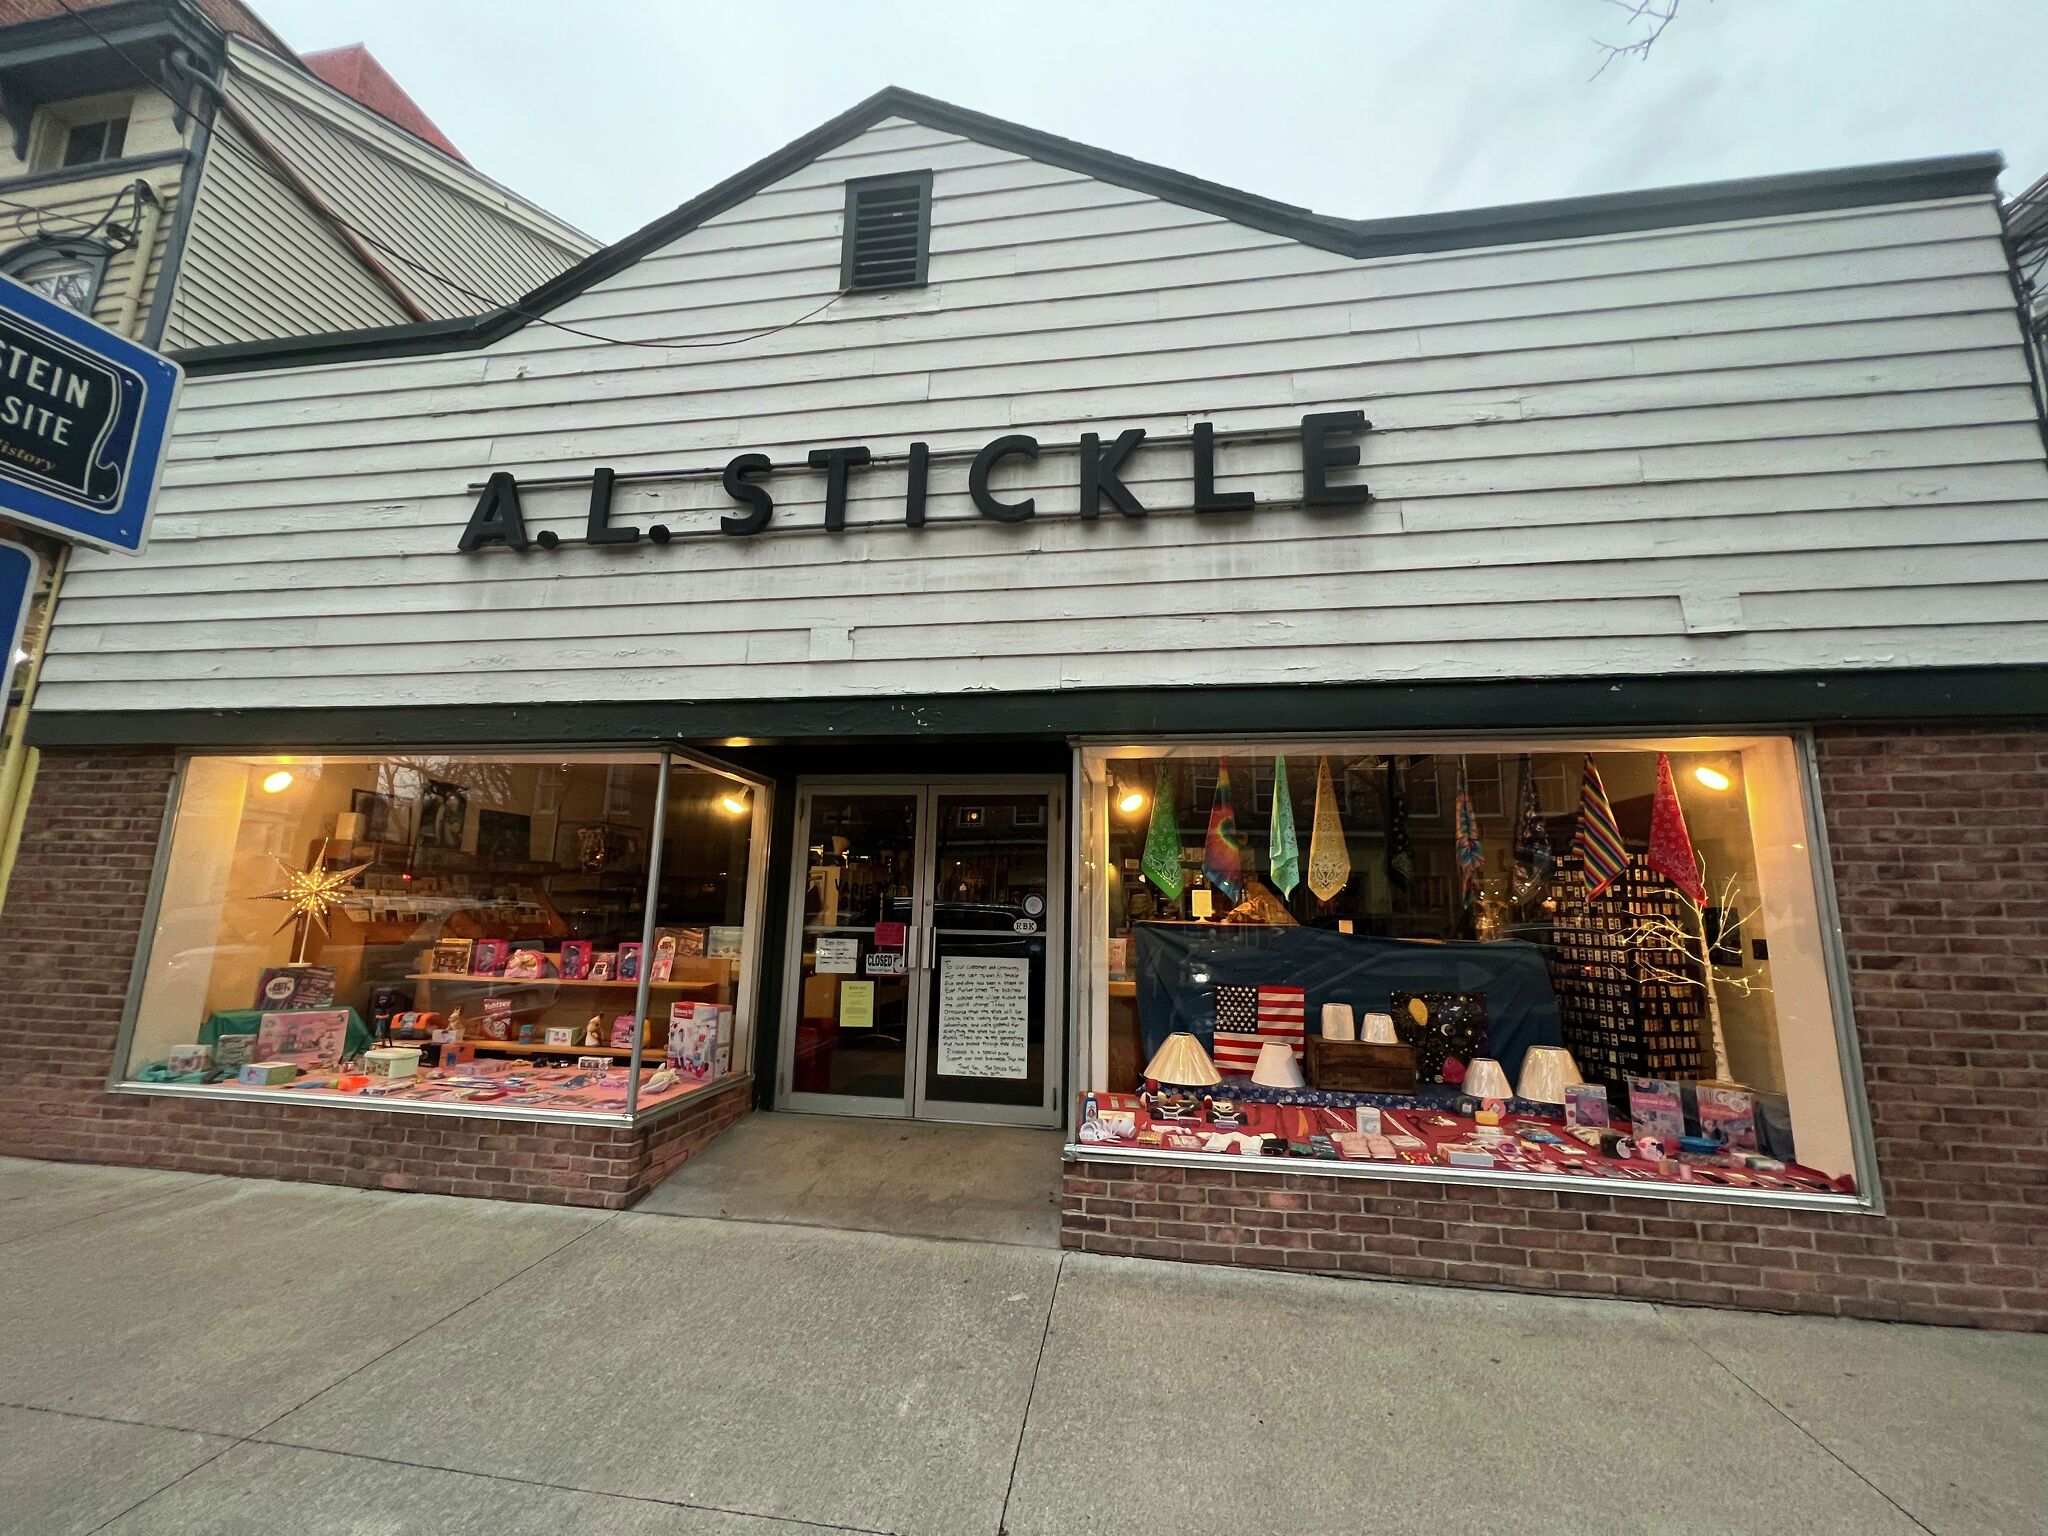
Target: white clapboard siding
point(1796, 442)
point(259, 262)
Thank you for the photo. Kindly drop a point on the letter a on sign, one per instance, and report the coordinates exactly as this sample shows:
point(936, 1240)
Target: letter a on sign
point(496, 519)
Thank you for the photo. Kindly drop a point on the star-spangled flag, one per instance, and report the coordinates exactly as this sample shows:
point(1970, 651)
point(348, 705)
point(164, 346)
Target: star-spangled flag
point(1598, 840)
point(1670, 844)
point(1247, 1017)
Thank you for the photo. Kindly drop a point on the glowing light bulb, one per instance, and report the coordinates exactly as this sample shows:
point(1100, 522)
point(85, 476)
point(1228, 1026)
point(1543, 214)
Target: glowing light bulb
point(733, 805)
point(277, 783)
point(1713, 778)
point(1132, 802)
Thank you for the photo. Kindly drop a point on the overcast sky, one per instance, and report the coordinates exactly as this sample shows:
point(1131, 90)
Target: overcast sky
point(611, 112)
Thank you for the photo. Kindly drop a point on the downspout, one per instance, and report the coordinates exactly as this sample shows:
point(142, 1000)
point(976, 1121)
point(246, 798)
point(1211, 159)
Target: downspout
point(148, 215)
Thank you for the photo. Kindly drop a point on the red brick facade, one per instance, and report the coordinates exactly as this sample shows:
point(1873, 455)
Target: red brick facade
point(74, 909)
point(1937, 835)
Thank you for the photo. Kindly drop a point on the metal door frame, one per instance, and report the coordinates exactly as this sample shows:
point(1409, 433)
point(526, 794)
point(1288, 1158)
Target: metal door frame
point(914, 1103)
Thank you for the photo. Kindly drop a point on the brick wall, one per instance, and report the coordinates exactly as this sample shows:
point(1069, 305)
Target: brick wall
point(1940, 845)
point(73, 913)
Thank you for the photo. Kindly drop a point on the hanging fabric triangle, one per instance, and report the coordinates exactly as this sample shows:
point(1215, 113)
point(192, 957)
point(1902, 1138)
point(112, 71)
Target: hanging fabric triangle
point(1284, 849)
point(1400, 845)
point(1162, 838)
point(1533, 859)
point(1598, 840)
point(1222, 855)
point(1329, 860)
point(1670, 844)
point(1471, 852)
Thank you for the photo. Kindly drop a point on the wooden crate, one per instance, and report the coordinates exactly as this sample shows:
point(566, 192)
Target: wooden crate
point(1356, 1067)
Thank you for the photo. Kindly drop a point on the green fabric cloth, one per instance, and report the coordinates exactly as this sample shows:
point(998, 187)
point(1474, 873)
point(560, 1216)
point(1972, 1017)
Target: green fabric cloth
point(1161, 862)
point(247, 1021)
point(1286, 847)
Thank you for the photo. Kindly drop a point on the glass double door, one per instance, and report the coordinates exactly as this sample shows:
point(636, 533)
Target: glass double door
point(927, 955)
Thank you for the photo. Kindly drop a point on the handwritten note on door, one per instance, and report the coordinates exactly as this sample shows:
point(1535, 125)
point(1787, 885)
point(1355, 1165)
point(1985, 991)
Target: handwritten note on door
point(984, 1017)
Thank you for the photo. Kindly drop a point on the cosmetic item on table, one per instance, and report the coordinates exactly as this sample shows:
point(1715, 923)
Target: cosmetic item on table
point(268, 1074)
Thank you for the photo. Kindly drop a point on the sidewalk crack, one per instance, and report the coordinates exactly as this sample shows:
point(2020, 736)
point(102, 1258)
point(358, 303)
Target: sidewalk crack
point(1030, 1396)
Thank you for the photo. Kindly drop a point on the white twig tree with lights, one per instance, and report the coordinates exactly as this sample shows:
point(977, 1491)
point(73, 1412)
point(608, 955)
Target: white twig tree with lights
point(1651, 939)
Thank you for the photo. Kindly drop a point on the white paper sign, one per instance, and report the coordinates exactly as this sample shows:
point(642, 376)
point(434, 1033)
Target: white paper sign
point(984, 1017)
point(838, 956)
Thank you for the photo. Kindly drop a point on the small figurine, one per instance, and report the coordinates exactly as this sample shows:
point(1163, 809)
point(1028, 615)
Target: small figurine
point(590, 1032)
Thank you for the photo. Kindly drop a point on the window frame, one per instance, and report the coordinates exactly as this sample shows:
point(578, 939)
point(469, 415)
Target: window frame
point(92, 254)
point(57, 120)
point(922, 181)
point(1088, 963)
point(665, 759)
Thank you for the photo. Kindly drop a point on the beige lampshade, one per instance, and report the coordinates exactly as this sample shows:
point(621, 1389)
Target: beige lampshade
point(1182, 1062)
point(1378, 1029)
point(1338, 1023)
point(1485, 1078)
point(1546, 1072)
point(1277, 1067)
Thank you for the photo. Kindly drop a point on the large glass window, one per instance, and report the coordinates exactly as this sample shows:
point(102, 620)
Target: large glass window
point(1597, 960)
point(455, 930)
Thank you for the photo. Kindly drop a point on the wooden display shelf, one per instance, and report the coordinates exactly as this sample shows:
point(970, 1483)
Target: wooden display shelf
point(557, 981)
point(519, 1048)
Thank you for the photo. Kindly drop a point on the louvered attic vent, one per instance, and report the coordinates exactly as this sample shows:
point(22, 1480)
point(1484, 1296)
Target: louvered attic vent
point(888, 231)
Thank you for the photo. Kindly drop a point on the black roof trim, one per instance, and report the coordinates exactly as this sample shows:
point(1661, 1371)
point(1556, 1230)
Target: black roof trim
point(1706, 202)
point(1726, 700)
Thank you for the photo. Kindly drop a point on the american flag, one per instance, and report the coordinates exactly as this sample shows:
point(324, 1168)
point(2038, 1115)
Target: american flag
point(1247, 1017)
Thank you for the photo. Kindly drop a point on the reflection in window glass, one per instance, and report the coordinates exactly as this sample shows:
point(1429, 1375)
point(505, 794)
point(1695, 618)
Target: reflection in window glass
point(1451, 939)
point(447, 929)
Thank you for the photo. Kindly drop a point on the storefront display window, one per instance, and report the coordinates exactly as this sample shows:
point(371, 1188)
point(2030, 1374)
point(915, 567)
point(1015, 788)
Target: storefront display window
point(1579, 960)
point(454, 931)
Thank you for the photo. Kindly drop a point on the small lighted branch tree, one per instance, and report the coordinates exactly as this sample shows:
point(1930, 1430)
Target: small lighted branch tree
point(1651, 938)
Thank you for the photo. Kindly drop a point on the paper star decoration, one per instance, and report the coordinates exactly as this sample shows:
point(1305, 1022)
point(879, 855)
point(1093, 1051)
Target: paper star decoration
point(311, 893)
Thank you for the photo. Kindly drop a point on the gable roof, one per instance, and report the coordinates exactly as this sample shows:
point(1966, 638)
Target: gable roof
point(1564, 218)
point(354, 71)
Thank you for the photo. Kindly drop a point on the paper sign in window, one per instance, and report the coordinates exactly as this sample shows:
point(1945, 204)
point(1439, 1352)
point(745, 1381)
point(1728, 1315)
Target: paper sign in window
point(984, 1017)
point(856, 1005)
point(838, 956)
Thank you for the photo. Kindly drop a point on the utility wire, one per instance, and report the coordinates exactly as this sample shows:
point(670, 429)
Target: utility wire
point(440, 277)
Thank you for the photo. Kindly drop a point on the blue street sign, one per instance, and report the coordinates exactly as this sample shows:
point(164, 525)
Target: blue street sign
point(18, 569)
point(84, 415)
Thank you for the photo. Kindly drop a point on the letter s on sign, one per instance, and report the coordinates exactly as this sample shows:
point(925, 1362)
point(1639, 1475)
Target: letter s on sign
point(755, 496)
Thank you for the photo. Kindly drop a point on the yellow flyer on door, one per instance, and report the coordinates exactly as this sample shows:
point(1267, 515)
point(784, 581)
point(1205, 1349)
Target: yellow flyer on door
point(856, 1005)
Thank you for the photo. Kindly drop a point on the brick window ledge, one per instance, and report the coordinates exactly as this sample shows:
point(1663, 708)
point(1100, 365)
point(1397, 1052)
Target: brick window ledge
point(1476, 1179)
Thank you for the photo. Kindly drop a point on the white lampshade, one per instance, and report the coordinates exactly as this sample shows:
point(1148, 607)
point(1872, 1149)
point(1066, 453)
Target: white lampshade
point(1546, 1072)
point(1379, 1030)
point(1182, 1062)
point(1338, 1024)
point(1277, 1067)
point(1485, 1078)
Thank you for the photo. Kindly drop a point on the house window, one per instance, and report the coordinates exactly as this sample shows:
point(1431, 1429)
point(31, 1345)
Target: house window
point(888, 232)
point(68, 272)
point(87, 132)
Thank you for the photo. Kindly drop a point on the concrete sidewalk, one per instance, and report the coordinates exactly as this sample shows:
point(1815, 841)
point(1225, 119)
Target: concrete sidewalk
point(190, 1354)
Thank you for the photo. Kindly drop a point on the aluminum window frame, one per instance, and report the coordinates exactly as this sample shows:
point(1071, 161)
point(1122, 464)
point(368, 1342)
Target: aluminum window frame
point(1087, 963)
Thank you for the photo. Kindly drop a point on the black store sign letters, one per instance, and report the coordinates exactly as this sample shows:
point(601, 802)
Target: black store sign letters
point(1328, 443)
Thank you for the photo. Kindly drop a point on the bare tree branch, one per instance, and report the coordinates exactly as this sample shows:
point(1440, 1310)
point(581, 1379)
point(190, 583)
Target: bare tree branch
point(1655, 14)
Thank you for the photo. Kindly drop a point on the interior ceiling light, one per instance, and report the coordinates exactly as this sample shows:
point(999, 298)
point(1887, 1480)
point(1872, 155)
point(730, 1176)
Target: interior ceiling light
point(1713, 778)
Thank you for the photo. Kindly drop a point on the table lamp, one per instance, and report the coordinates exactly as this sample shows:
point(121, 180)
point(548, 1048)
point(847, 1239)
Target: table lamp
point(1277, 1067)
point(1378, 1029)
point(1182, 1063)
point(1546, 1072)
point(1486, 1079)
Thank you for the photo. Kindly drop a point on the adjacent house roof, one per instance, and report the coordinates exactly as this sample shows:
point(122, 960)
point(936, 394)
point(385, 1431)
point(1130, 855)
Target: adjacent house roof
point(354, 71)
point(1565, 218)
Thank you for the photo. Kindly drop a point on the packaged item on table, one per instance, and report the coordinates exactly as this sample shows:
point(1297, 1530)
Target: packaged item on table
point(624, 1028)
point(693, 1040)
point(231, 1053)
point(723, 943)
point(1728, 1117)
point(489, 957)
point(268, 1074)
point(392, 1061)
point(295, 986)
point(313, 1039)
point(1459, 1155)
point(1586, 1104)
point(529, 1032)
point(451, 957)
point(604, 965)
point(526, 965)
point(185, 1060)
point(575, 959)
point(497, 1020)
point(662, 969)
point(1367, 1119)
point(629, 962)
point(1655, 1109)
point(561, 1035)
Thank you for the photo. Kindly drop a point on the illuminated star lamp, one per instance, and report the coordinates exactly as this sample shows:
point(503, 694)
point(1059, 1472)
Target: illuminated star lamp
point(309, 895)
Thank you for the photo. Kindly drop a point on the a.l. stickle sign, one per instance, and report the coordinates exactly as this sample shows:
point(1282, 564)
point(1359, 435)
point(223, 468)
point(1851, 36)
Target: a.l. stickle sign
point(1328, 442)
